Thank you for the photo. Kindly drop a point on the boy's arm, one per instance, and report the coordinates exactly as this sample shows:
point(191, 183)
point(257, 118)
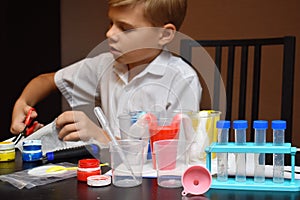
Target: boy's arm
point(35, 91)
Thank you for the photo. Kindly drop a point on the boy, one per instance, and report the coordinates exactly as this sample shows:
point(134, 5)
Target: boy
point(137, 74)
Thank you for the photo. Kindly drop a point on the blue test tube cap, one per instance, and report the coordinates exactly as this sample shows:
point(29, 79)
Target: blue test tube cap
point(278, 124)
point(260, 124)
point(240, 124)
point(223, 124)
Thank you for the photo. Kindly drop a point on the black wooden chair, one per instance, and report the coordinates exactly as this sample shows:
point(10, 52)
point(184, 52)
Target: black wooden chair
point(246, 55)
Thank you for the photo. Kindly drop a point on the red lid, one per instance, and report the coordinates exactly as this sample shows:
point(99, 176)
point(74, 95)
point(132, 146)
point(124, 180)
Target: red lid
point(88, 163)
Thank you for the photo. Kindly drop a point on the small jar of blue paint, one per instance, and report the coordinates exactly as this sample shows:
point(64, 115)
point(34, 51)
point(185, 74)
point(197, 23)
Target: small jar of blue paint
point(32, 150)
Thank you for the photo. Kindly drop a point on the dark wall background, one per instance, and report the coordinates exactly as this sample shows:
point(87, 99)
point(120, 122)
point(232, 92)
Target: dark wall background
point(30, 45)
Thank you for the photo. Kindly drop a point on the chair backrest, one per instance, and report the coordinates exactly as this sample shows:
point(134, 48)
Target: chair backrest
point(228, 49)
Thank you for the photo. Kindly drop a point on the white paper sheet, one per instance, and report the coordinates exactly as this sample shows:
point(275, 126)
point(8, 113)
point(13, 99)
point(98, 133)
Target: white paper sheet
point(50, 141)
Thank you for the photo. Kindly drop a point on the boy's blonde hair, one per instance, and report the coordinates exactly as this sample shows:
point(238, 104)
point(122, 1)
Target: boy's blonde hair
point(158, 12)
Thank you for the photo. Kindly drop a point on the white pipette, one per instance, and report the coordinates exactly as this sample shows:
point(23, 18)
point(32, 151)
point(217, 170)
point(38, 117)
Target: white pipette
point(105, 125)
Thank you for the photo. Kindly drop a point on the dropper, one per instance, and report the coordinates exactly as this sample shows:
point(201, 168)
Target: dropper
point(105, 125)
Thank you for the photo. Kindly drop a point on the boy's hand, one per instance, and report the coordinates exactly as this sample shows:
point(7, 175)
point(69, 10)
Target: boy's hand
point(75, 125)
point(19, 117)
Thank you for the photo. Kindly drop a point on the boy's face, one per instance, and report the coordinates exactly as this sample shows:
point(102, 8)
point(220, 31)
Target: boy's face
point(132, 38)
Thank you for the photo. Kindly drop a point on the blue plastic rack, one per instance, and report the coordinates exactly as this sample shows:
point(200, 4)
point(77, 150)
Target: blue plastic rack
point(250, 147)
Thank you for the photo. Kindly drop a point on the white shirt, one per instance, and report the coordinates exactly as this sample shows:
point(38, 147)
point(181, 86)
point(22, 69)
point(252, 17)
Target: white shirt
point(166, 82)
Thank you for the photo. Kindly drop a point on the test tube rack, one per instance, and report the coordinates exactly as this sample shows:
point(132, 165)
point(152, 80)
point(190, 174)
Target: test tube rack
point(268, 185)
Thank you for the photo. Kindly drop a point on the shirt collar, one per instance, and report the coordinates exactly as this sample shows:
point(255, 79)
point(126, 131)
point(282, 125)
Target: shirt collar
point(156, 67)
point(121, 71)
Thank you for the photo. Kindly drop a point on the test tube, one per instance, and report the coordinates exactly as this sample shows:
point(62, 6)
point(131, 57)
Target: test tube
point(260, 127)
point(222, 158)
point(278, 127)
point(240, 127)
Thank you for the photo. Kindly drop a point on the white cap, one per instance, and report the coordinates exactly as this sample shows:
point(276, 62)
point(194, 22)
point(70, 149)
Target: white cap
point(98, 180)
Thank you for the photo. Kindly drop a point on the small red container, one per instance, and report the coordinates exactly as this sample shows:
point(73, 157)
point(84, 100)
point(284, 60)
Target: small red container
point(88, 167)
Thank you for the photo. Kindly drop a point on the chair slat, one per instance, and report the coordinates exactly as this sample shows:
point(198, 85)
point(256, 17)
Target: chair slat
point(243, 82)
point(288, 43)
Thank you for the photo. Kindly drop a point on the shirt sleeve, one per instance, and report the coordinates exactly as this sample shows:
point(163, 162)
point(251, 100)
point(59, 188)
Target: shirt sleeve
point(78, 82)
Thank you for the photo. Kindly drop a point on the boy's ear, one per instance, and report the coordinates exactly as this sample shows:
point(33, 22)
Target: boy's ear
point(167, 34)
